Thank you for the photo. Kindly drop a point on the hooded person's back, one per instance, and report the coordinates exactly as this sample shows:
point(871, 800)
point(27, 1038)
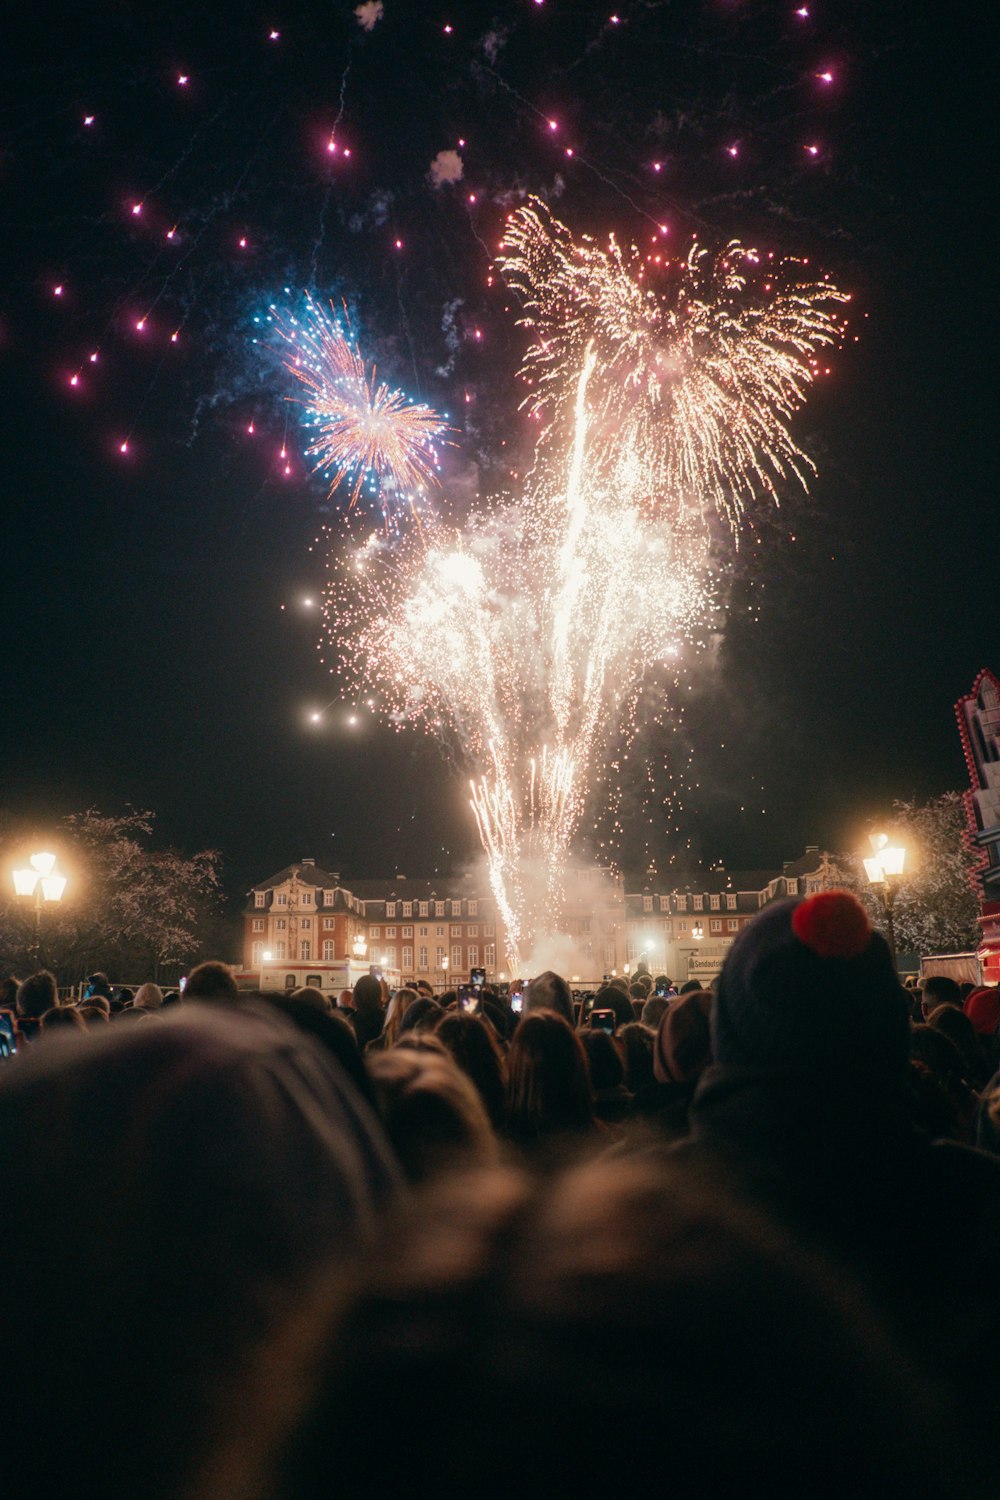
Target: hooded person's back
point(807, 1107)
point(170, 1192)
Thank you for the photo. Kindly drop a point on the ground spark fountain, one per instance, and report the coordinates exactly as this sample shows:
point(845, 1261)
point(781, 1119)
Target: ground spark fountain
point(520, 636)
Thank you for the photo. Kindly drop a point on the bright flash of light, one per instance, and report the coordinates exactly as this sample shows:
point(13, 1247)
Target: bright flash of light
point(521, 639)
point(698, 378)
point(366, 434)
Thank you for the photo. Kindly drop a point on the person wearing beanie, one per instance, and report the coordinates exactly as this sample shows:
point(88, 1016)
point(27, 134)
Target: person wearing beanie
point(807, 1108)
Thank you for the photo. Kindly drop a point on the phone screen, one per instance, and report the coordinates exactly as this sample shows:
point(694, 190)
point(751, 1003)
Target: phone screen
point(468, 998)
point(516, 1002)
point(477, 978)
point(8, 1035)
point(603, 1020)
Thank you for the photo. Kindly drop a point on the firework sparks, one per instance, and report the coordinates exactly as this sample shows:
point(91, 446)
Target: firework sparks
point(523, 637)
point(366, 434)
point(713, 364)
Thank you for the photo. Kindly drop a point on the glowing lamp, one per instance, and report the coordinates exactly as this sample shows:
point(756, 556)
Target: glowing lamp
point(267, 955)
point(43, 863)
point(697, 931)
point(53, 887)
point(25, 882)
point(360, 946)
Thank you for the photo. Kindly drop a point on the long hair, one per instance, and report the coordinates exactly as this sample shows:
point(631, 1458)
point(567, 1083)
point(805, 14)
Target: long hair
point(548, 1082)
point(472, 1045)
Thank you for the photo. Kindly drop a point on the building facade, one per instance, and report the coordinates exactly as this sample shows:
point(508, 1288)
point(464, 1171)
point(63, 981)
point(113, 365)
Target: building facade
point(307, 923)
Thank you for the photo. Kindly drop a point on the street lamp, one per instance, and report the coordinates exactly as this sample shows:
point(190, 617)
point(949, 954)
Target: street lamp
point(884, 870)
point(44, 882)
point(697, 931)
point(360, 946)
point(265, 958)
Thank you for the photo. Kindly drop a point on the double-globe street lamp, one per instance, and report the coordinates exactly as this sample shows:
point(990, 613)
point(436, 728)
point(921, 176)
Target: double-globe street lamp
point(884, 869)
point(41, 879)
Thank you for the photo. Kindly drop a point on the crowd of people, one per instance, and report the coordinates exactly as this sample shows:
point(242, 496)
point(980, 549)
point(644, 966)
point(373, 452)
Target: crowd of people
point(524, 1240)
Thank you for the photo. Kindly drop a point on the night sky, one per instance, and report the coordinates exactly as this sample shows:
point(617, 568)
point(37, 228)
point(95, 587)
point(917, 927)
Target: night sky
point(148, 659)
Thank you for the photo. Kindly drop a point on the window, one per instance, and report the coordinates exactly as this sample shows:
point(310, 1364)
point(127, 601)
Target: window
point(258, 924)
point(390, 908)
point(456, 956)
point(306, 923)
point(260, 898)
point(281, 924)
point(439, 932)
point(407, 908)
point(329, 897)
point(584, 924)
point(376, 932)
point(472, 931)
point(666, 929)
point(316, 980)
point(256, 951)
point(407, 958)
point(290, 981)
point(730, 903)
point(305, 949)
point(609, 954)
point(715, 924)
point(456, 931)
point(307, 898)
point(407, 931)
point(489, 956)
point(282, 898)
point(424, 908)
point(281, 949)
point(487, 929)
point(699, 902)
point(664, 903)
point(439, 958)
point(439, 908)
point(713, 902)
point(682, 903)
point(328, 950)
point(681, 927)
point(390, 932)
point(812, 886)
point(328, 924)
point(456, 908)
point(422, 958)
point(473, 955)
point(473, 908)
point(389, 958)
point(423, 931)
point(792, 887)
point(732, 925)
point(647, 903)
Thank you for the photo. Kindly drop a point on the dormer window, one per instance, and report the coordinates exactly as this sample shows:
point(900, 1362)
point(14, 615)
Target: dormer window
point(260, 898)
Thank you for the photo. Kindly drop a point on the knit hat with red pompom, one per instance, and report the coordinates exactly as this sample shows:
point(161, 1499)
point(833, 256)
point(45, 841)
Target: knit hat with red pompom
point(809, 984)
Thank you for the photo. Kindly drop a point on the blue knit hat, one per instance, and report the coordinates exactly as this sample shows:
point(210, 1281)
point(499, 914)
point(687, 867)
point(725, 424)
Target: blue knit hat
point(808, 985)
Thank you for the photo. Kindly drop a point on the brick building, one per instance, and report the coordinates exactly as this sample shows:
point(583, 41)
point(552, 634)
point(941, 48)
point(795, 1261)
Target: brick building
point(306, 923)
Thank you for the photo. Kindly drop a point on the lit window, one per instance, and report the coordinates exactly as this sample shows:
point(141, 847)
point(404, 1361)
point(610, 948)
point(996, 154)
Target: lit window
point(282, 898)
point(439, 932)
point(456, 931)
point(376, 932)
point(390, 932)
point(439, 908)
point(423, 931)
point(715, 924)
point(699, 902)
point(439, 959)
point(730, 903)
point(328, 924)
point(407, 958)
point(473, 955)
point(732, 925)
point(390, 908)
point(306, 923)
point(682, 903)
point(307, 898)
point(305, 949)
point(256, 952)
point(456, 956)
point(647, 903)
point(260, 898)
point(258, 924)
point(327, 950)
point(281, 948)
point(713, 902)
point(456, 908)
point(329, 897)
point(407, 931)
point(424, 909)
point(281, 924)
point(422, 959)
point(489, 956)
point(407, 908)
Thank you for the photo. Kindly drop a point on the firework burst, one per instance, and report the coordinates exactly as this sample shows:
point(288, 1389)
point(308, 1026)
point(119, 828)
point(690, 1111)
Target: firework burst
point(366, 435)
point(700, 362)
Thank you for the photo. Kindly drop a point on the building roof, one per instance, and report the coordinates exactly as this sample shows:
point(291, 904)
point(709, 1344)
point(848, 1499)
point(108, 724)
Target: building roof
point(711, 882)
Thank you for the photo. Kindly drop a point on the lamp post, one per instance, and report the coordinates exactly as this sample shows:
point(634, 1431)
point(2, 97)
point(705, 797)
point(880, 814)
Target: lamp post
point(360, 946)
point(884, 869)
point(43, 881)
point(697, 931)
point(265, 958)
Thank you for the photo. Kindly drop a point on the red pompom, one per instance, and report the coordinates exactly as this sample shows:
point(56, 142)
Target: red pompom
point(833, 924)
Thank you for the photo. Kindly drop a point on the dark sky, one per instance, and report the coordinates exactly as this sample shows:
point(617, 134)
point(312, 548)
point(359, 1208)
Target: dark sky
point(147, 659)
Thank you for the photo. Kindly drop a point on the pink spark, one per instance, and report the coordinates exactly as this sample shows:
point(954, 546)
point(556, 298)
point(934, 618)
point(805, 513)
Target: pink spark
point(569, 150)
point(251, 429)
point(615, 20)
point(460, 141)
point(399, 244)
point(826, 77)
point(477, 333)
point(123, 447)
point(273, 36)
point(136, 209)
point(448, 30)
point(74, 380)
point(553, 124)
point(88, 119)
point(347, 150)
point(57, 291)
point(813, 150)
point(664, 228)
point(733, 150)
point(803, 12)
point(93, 358)
point(243, 242)
point(140, 325)
point(331, 146)
point(283, 454)
point(182, 79)
point(288, 469)
point(171, 232)
point(472, 197)
point(175, 335)
point(657, 166)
